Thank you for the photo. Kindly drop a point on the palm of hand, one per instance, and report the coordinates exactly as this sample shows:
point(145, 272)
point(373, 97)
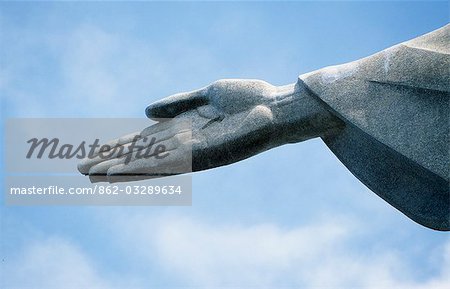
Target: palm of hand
point(227, 120)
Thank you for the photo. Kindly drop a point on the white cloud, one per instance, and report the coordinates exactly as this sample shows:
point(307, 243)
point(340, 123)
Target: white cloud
point(97, 72)
point(107, 74)
point(52, 263)
point(100, 72)
point(197, 254)
point(268, 256)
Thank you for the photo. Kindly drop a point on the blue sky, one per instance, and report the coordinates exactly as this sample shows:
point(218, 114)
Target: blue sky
point(292, 216)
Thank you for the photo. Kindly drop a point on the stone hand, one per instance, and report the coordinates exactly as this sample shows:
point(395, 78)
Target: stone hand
point(229, 120)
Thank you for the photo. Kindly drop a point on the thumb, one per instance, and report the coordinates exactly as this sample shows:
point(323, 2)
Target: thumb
point(176, 104)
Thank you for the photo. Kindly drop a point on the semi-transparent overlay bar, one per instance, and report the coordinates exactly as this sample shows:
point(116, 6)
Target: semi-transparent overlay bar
point(85, 161)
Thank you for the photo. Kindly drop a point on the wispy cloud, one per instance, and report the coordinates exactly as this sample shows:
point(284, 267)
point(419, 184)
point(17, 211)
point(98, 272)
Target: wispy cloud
point(315, 255)
point(96, 72)
point(53, 263)
point(199, 254)
point(90, 67)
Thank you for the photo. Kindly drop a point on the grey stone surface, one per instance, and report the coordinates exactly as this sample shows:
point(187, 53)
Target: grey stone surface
point(386, 117)
point(395, 105)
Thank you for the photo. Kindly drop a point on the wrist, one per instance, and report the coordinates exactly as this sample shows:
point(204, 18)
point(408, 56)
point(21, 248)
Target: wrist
point(299, 115)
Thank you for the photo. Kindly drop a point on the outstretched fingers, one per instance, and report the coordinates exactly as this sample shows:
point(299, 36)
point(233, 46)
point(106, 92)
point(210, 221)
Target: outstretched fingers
point(85, 164)
point(147, 151)
point(122, 147)
point(176, 160)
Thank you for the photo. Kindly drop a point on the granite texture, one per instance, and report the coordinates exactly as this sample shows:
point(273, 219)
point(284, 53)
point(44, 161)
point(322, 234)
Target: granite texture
point(395, 105)
point(386, 117)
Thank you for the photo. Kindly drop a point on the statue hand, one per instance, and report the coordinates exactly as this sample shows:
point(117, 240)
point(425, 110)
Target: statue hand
point(230, 120)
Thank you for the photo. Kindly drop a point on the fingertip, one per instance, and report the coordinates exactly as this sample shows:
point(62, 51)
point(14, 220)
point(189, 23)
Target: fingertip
point(149, 111)
point(83, 167)
point(176, 104)
point(99, 169)
point(115, 170)
point(159, 110)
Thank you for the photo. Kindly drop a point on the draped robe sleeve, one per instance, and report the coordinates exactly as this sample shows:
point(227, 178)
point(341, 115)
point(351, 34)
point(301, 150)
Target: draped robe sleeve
point(395, 105)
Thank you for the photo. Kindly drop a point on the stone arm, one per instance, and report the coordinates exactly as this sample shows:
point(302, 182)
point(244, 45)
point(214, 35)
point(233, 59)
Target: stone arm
point(230, 120)
point(385, 117)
